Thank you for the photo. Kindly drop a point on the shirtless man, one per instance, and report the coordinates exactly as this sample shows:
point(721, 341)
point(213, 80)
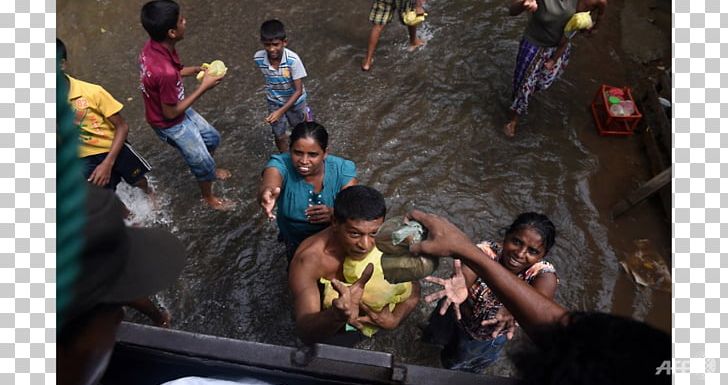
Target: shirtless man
point(358, 213)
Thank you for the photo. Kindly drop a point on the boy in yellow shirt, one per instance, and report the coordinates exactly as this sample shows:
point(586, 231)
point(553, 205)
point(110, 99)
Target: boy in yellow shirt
point(103, 132)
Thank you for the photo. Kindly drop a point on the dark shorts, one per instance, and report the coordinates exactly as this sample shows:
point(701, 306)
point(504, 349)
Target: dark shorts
point(460, 351)
point(296, 114)
point(129, 166)
point(470, 355)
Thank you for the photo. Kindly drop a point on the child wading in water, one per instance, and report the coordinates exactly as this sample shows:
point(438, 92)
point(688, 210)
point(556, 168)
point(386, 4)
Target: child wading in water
point(477, 327)
point(168, 109)
point(103, 133)
point(381, 13)
point(284, 72)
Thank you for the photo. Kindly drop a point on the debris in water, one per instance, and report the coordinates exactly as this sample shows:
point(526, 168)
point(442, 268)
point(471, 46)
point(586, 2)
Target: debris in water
point(647, 267)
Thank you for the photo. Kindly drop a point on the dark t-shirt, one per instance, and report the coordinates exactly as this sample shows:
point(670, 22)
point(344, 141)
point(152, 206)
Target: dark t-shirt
point(546, 26)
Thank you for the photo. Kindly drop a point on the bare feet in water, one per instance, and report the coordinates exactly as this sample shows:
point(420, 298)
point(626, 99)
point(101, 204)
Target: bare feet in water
point(366, 65)
point(222, 174)
point(510, 128)
point(220, 204)
point(416, 44)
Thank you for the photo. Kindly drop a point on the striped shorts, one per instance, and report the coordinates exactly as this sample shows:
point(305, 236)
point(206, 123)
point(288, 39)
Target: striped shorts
point(383, 11)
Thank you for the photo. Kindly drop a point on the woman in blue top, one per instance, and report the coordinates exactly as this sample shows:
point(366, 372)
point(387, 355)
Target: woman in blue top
point(303, 183)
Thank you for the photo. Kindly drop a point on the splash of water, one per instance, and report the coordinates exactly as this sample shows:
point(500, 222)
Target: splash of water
point(146, 210)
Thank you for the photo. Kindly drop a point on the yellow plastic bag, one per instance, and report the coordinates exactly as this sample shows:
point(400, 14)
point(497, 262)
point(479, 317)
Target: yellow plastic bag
point(411, 18)
point(216, 68)
point(378, 293)
point(580, 20)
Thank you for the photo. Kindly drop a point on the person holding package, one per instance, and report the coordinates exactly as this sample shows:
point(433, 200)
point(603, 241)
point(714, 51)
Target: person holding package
point(167, 109)
point(544, 51)
point(336, 278)
point(381, 13)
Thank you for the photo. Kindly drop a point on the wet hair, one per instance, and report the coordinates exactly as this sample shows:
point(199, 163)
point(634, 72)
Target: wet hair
point(594, 348)
point(158, 17)
point(272, 30)
point(359, 203)
point(311, 130)
point(61, 50)
point(539, 222)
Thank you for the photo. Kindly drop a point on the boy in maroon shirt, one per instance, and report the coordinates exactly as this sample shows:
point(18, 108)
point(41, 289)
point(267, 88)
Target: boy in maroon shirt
point(167, 109)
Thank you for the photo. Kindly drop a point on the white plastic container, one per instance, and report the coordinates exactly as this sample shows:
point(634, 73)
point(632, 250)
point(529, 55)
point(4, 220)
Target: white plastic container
point(617, 110)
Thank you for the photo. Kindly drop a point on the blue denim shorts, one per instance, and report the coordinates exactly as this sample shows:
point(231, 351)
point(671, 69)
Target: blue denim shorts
point(196, 140)
point(470, 355)
point(291, 118)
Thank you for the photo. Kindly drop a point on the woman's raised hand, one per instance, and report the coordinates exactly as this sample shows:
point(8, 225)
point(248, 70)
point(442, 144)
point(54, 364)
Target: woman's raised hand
point(530, 5)
point(503, 320)
point(454, 290)
point(516, 7)
point(268, 201)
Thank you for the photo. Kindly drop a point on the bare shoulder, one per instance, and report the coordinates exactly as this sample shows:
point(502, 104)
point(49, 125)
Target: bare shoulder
point(311, 261)
point(546, 284)
point(303, 265)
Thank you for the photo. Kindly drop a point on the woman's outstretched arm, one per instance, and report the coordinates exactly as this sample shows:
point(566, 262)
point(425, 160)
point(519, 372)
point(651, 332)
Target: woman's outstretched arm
point(531, 309)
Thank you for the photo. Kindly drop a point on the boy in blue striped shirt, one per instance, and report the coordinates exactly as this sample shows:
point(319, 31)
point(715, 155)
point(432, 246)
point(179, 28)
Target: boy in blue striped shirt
point(284, 73)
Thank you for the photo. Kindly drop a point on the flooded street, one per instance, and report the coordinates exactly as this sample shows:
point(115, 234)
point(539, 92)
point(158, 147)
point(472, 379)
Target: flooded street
point(424, 128)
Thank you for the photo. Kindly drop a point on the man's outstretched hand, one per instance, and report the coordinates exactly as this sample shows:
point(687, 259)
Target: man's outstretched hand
point(350, 296)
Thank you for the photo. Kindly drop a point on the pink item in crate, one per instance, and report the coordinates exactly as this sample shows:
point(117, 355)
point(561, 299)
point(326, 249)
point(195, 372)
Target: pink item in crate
point(627, 107)
point(614, 91)
point(615, 119)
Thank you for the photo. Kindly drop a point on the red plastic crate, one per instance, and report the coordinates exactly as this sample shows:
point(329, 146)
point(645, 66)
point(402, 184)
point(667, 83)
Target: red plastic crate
point(606, 122)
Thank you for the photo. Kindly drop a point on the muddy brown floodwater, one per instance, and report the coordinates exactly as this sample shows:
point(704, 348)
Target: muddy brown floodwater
point(422, 127)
